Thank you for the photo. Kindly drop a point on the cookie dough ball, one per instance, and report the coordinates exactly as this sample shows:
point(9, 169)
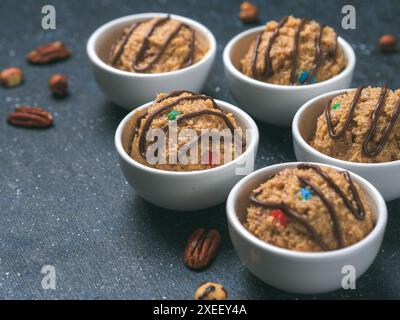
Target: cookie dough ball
point(290, 210)
point(294, 51)
point(157, 45)
point(191, 113)
point(352, 142)
point(211, 291)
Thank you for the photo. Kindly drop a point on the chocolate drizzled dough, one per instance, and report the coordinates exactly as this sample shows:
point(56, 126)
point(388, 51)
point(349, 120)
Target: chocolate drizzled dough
point(353, 105)
point(183, 117)
point(358, 212)
point(318, 55)
point(374, 121)
point(296, 48)
point(136, 63)
point(115, 56)
point(267, 61)
point(268, 71)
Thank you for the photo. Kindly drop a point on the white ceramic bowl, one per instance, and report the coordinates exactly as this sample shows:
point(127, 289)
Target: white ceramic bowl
point(129, 89)
point(385, 176)
point(300, 272)
point(193, 190)
point(271, 103)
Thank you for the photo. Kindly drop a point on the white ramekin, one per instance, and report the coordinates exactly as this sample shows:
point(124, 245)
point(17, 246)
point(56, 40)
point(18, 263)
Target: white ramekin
point(300, 272)
point(271, 103)
point(129, 89)
point(385, 176)
point(193, 190)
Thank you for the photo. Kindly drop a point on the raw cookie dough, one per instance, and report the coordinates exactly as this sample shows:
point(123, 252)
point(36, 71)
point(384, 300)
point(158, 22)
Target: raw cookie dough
point(301, 191)
point(157, 45)
point(351, 142)
point(187, 111)
point(294, 52)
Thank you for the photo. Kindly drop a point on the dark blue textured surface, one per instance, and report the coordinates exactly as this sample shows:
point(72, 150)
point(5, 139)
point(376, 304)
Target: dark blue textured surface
point(64, 202)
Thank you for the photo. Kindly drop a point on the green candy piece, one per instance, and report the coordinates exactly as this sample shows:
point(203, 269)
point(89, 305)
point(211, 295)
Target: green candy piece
point(336, 106)
point(173, 114)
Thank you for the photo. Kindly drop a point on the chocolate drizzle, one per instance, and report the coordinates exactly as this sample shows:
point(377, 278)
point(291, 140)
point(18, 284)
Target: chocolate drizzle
point(318, 55)
point(168, 106)
point(293, 79)
point(267, 61)
point(358, 211)
point(115, 57)
point(374, 122)
point(199, 113)
point(346, 125)
point(137, 60)
point(267, 70)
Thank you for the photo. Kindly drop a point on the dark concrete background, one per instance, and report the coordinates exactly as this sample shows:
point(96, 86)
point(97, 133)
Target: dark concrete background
point(64, 201)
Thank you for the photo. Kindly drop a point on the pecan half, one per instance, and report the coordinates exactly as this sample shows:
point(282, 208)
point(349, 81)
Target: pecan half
point(30, 117)
point(48, 53)
point(201, 248)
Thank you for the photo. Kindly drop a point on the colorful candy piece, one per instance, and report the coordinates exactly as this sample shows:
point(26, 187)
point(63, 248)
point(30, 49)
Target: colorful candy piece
point(303, 77)
point(173, 114)
point(279, 216)
point(336, 106)
point(306, 193)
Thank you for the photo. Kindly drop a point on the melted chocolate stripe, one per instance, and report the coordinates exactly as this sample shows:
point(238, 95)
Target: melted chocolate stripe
point(255, 55)
point(331, 210)
point(295, 216)
point(318, 55)
point(295, 51)
point(189, 59)
point(145, 42)
point(267, 61)
point(374, 122)
point(204, 112)
point(115, 56)
point(151, 117)
point(333, 53)
point(359, 211)
point(341, 132)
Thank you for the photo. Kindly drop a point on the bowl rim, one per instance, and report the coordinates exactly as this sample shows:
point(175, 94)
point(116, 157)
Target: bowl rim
point(372, 192)
point(315, 153)
point(98, 33)
point(239, 113)
point(347, 49)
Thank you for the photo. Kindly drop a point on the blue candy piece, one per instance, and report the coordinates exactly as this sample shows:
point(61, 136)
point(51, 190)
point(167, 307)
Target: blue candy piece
point(303, 76)
point(306, 193)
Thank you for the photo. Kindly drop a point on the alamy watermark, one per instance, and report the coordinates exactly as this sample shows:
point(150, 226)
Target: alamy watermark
point(49, 277)
point(188, 147)
point(349, 279)
point(49, 18)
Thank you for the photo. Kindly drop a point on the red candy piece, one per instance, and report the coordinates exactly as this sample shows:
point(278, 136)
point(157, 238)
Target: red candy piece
point(280, 216)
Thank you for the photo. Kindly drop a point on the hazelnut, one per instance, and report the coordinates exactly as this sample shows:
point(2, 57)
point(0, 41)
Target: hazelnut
point(211, 291)
point(387, 43)
point(58, 84)
point(248, 12)
point(11, 77)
